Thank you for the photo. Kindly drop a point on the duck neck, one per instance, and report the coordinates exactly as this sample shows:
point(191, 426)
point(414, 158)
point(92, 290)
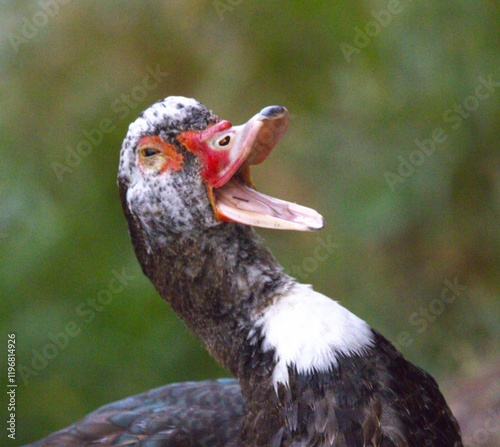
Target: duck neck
point(218, 282)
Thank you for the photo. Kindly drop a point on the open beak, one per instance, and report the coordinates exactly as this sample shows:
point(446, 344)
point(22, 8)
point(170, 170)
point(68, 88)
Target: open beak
point(227, 152)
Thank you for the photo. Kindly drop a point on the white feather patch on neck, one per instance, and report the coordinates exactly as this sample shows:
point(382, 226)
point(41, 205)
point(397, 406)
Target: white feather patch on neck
point(308, 330)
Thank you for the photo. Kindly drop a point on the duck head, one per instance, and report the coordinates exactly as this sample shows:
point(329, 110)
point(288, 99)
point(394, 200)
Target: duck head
point(183, 169)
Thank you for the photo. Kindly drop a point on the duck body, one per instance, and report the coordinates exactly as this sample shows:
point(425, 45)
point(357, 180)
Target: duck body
point(310, 373)
point(189, 414)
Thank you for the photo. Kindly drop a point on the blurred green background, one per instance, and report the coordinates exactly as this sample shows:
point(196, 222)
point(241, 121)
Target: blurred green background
point(365, 82)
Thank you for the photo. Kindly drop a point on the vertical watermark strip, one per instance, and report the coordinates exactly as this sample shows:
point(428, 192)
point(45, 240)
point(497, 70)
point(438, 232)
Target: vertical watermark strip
point(11, 386)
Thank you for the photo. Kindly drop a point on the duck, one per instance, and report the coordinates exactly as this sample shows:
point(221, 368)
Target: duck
point(307, 372)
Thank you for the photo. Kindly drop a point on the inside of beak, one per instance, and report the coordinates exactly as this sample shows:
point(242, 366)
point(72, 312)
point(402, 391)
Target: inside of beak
point(238, 202)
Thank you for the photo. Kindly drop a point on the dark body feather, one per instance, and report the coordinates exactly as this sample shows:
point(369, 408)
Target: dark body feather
point(376, 400)
point(190, 414)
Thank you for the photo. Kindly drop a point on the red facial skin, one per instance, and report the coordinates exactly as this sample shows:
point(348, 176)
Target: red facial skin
point(214, 161)
point(172, 160)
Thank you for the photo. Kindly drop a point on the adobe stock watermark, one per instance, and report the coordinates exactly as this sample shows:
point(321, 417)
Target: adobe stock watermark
point(121, 107)
point(86, 312)
point(223, 7)
point(30, 27)
point(481, 435)
point(363, 36)
point(11, 385)
point(310, 264)
point(425, 315)
point(454, 116)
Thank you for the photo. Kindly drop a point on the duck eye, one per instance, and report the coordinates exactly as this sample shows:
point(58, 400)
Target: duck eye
point(224, 141)
point(149, 151)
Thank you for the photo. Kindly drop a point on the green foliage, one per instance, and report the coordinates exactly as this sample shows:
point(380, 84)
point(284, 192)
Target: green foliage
point(393, 138)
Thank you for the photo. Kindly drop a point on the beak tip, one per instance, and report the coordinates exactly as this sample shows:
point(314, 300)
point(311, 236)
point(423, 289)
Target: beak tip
point(319, 226)
point(272, 112)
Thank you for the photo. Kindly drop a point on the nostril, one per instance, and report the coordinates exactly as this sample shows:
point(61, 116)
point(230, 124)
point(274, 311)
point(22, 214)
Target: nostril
point(272, 111)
